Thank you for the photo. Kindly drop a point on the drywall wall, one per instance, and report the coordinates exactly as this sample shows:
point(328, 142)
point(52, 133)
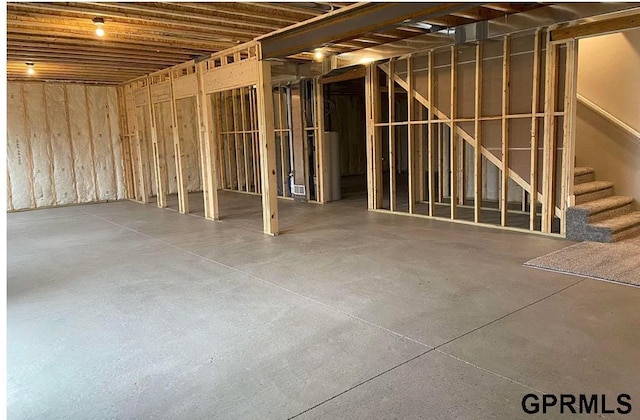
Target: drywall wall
point(63, 145)
point(608, 69)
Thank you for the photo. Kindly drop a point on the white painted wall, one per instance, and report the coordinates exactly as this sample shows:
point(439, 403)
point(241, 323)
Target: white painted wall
point(608, 75)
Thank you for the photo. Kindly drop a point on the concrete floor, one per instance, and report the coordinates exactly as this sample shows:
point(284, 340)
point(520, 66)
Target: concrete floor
point(128, 311)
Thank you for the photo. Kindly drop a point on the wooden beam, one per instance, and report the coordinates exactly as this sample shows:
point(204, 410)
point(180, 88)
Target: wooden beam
point(599, 27)
point(352, 74)
point(267, 150)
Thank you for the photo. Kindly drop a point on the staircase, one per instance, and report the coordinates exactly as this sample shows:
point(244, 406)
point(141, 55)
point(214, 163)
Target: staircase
point(600, 216)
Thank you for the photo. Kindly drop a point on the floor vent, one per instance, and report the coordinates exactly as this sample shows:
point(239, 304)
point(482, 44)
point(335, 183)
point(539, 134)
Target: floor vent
point(299, 190)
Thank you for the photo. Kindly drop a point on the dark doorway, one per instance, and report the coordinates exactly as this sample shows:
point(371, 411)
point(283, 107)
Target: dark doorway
point(346, 117)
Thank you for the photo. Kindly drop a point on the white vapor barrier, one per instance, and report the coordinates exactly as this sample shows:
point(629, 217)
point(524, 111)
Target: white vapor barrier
point(116, 145)
point(63, 170)
point(102, 154)
point(82, 143)
point(63, 145)
point(37, 127)
point(18, 155)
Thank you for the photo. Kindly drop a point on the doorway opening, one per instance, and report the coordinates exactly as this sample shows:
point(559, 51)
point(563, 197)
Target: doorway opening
point(345, 140)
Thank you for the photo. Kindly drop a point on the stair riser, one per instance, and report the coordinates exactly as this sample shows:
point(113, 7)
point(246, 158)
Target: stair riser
point(619, 211)
point(581, 179)
point(628, 233)
point(595, 195)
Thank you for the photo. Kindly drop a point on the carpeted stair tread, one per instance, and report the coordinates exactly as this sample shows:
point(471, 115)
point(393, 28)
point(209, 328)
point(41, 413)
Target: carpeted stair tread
point(582, 170)
point(619, 223)
point(603, 204)
point(592, 186)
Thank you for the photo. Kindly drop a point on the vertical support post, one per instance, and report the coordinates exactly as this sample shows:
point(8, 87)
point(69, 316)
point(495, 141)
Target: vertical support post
point(549, 140)
point(431, 136)
point(569, 132)
point(208, 161)
point(183, 195)
point(161, 197)
point(374, 146)
point(453, 137)
point(410, 137)
point(504, 181)
point(392, 135)
point(535, 95)
point(267, 150)
point(477, 128)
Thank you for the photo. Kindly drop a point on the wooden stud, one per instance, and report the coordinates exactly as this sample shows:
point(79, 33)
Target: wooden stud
point(549, 139)
point(569, 132)
point(245, 144)
point(453, 151)
point(477, 129)
point(267, 150)
point(238, 138)
point(432, 139)
point(159, 168)
point(410, 135)
point(208, 162)
point(504, 180)
point(392, 136)
point(183, 194)
point(141, 152)
point(377, 139)
point(533, 174)
point(254, 140)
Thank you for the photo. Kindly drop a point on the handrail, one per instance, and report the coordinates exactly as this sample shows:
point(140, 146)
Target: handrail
point(599, 110)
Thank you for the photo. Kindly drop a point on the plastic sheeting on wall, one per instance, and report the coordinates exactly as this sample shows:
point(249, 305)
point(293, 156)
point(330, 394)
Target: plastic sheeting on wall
point(63, 145)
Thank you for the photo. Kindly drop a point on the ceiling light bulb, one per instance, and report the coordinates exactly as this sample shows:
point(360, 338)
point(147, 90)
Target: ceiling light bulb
point(30, 70)
point(99, 22)
point(318, 55)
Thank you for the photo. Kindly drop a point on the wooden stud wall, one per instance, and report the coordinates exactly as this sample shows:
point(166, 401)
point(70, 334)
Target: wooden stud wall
point(207, 117)
point(482, 155)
